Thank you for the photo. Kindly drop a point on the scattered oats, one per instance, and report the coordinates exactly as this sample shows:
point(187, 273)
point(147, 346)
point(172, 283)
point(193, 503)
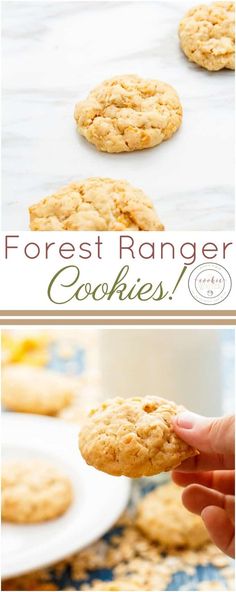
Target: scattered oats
point(220, 560)
point(230, 583)
point(114, 586)
point(228, 572)
point(211, 585)
point(189, 570)
point(59, 568)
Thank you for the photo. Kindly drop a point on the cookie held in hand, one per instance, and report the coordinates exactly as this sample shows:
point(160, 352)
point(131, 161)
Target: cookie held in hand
point(133, 437)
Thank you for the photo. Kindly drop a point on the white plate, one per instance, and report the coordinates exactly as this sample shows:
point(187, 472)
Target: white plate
point(99, 498)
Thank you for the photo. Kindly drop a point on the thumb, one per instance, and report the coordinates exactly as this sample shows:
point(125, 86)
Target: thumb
point(207, 434)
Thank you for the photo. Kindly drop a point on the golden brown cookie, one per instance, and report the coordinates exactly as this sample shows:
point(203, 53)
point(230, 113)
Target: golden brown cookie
point(163, 519)
point(207, 35)
point(127, 113)
point(95, 204)
point(133, 437)
point(29, 389)
point(33, 491)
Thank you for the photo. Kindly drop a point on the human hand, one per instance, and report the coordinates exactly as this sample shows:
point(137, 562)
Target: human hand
point(208, 478)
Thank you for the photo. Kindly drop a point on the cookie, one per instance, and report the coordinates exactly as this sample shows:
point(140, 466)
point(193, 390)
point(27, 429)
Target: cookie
point(33, 491)
point(133, 437)
point(95, 204)
point(29, 389)
point(162, 517)
point(128, 113)
point(207, 35)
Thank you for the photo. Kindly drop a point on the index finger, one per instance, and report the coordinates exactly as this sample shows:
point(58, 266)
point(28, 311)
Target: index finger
point(206, 462)
point(220, 480)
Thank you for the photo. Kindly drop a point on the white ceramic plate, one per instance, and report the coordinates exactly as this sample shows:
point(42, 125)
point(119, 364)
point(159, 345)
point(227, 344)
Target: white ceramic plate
point(99, 498)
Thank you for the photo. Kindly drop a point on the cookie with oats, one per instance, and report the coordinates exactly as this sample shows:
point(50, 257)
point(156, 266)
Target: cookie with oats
point(97, 203)
point(133, 437)
point(128, 113)
point(33, 491)
point(207, 35)
point(162, 517)
point(29, 389)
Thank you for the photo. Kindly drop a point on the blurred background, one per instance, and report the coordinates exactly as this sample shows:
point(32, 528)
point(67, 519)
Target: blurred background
point(194, 367)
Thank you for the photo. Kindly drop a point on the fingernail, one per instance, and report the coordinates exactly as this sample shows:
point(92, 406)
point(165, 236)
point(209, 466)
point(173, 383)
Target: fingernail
point(186, 420)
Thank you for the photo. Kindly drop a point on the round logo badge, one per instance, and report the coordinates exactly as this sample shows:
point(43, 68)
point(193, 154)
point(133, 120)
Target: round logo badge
point(209, 283)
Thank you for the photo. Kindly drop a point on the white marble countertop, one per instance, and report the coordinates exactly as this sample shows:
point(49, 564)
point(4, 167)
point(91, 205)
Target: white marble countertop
point(55, 52)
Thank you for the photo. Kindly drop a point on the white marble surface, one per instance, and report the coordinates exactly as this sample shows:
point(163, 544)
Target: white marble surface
point(55, 52)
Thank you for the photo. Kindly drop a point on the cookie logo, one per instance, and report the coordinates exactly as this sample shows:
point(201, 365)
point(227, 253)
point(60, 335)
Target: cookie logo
point(210, 283)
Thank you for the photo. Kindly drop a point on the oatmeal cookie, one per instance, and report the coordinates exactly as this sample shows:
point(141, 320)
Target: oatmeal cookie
point(29, 389)
point(128, 113)
point(207, 35)
point(133, 437)
point(33, 491)
point(95, 204)
point(162, 517)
